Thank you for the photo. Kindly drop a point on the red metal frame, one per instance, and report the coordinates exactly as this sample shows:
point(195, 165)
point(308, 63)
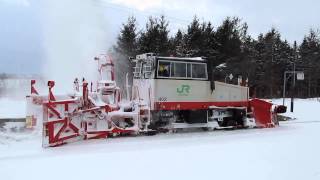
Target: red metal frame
point(33, 89)
point(57, 137)
point(51, 96)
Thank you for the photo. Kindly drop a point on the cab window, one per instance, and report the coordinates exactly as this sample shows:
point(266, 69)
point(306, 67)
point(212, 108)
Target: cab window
point(182, 70)
point(164, 69)
point(199, 71)
point(178, 69)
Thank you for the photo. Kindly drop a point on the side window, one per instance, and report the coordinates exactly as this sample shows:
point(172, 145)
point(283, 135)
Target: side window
point(182, 70)
point(199, 71)
point(164, 69)
point(178, 69)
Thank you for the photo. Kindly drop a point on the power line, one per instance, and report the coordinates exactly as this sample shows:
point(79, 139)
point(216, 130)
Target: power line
point(134, 11)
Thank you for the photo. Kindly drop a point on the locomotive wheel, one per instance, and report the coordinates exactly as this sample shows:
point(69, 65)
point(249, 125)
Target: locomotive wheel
point(173, 131)
point(227, 122)
point(151, 133)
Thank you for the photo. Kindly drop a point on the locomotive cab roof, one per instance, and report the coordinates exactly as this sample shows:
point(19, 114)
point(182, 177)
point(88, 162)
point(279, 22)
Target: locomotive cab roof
point(152, 56)
point(200, 59)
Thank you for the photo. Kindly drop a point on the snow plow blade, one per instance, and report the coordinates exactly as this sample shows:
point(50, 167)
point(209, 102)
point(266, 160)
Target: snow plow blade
point(265, 113)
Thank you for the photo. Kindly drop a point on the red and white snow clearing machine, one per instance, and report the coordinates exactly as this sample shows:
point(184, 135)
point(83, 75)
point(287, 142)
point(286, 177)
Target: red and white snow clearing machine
point(167, 94)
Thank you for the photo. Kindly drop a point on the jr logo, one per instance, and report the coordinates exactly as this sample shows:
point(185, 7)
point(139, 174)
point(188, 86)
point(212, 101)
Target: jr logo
point(184, 90)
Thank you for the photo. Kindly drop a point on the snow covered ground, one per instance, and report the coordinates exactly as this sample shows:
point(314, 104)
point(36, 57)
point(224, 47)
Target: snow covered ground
point(291, 151)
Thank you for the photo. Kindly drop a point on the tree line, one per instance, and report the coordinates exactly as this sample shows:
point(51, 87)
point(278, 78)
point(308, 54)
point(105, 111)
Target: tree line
point(231, 50)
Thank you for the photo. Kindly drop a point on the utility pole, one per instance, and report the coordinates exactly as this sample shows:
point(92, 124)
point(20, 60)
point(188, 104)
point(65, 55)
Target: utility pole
point(271, 69)
point(294, 75)
point(284, 87)
point(293, 87)
point(285, 78)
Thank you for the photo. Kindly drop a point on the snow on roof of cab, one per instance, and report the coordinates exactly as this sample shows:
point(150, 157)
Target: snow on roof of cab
point(105, 81)
point(223, 65)
point(182, 58)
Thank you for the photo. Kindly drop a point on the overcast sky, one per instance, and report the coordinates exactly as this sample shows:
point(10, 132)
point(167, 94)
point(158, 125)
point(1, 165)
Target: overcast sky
point(21, 21)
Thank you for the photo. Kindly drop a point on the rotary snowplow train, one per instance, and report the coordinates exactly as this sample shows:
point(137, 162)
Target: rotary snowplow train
point(167, 94)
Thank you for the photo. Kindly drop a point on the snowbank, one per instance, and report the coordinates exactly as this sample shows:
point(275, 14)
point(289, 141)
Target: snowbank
point(304, 109)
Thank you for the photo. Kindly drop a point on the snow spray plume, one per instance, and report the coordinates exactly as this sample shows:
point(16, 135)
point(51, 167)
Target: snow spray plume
point(122, 67)
point(18, 86)
point(74, 33)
